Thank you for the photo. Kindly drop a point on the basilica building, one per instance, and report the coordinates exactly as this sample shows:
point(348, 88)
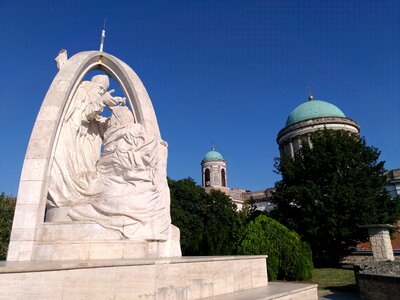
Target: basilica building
point(305, 119)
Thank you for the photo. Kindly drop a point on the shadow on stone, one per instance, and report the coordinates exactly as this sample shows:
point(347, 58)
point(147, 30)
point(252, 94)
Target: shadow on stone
point(342, 296)
point(350, 288)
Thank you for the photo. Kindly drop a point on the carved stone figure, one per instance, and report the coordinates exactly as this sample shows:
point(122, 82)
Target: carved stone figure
point(61, 58)
point(124, 188)
point(129, 192)
point(79, 146)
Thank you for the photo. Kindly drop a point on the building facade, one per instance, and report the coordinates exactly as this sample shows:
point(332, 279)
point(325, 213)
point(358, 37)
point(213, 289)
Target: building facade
point(393, 185)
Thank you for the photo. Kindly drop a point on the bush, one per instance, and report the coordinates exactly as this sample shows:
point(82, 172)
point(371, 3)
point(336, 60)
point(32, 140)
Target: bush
point(289, 258)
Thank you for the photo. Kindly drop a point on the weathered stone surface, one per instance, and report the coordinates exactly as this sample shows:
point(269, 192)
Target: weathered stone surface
point(381, 268)
point(378, 280)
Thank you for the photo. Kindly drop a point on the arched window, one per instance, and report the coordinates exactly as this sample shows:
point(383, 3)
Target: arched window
point(223, 178)
point(207, 177)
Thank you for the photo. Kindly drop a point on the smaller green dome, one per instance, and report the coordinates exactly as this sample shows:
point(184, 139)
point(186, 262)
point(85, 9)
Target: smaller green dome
point(212, 155)
point(313, 109)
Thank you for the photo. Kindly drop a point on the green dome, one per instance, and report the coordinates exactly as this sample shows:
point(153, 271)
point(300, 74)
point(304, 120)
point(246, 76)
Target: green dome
point(212, 155)
point(313, 109)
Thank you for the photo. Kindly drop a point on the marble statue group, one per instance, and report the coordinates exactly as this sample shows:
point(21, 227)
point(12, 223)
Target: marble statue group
point(108, 170)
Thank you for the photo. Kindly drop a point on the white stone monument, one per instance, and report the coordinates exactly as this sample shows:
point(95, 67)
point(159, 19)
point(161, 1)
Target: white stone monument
point(94, 187)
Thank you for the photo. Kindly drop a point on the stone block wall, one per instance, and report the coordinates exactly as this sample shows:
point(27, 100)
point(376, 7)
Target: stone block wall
point(378, 280)
point(378, 287)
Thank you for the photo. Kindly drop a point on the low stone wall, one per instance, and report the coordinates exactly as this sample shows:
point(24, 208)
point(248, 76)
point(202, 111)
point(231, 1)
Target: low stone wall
point(378, 280)
point(183, 278)
point(363, 258)
point(357, 259)
point(378, 287)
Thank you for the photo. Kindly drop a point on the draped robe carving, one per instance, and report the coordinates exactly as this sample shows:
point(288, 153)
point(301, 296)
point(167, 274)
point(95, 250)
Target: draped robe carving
point(125, 187)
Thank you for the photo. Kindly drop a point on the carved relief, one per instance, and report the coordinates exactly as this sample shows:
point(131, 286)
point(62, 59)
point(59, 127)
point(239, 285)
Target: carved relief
point(124, 188)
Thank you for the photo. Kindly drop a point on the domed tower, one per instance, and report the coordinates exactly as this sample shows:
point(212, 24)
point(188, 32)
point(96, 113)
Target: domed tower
point(309, 117)
point(213, 168)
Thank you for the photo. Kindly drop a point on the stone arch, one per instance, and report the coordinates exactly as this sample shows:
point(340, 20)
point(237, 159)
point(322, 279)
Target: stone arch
point(32, 192)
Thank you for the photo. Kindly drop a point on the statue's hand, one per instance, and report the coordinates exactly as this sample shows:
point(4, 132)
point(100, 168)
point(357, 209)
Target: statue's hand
point(107, 99)
point(120, 100)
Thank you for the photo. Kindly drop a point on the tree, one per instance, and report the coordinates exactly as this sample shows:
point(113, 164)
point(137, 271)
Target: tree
point(288, 257)
point(331, 188)
point(7, 207)
point(208, 223)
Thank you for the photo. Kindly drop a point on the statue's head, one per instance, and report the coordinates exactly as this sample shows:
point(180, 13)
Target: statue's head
point(102, 80)
point(121, 116)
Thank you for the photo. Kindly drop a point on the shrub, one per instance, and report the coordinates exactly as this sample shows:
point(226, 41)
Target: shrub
point(289, 258)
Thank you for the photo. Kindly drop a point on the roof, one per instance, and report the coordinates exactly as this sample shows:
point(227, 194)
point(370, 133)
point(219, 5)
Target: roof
point(313, 109)
point(212, 155)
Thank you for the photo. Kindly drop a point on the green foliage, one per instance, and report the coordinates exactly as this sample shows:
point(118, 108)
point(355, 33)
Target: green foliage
point(331, 188)
point(208, 223)
point(7, 207)
point(288, 257)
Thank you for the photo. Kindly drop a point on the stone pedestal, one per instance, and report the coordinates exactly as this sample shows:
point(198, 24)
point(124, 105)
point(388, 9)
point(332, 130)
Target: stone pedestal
point(379, 237)
point(89, 240)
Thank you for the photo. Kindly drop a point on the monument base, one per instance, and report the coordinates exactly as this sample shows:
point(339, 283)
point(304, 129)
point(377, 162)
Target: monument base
point(172, 278)
point(89, 240)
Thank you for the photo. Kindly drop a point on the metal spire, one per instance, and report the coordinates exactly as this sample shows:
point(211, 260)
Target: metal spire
point(103, 35)
point(310, 96)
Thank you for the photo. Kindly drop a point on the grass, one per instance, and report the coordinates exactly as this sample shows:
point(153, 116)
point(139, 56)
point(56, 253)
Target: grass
point(334, 279)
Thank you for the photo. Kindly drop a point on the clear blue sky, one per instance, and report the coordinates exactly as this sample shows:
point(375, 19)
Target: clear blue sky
point(223, 72)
